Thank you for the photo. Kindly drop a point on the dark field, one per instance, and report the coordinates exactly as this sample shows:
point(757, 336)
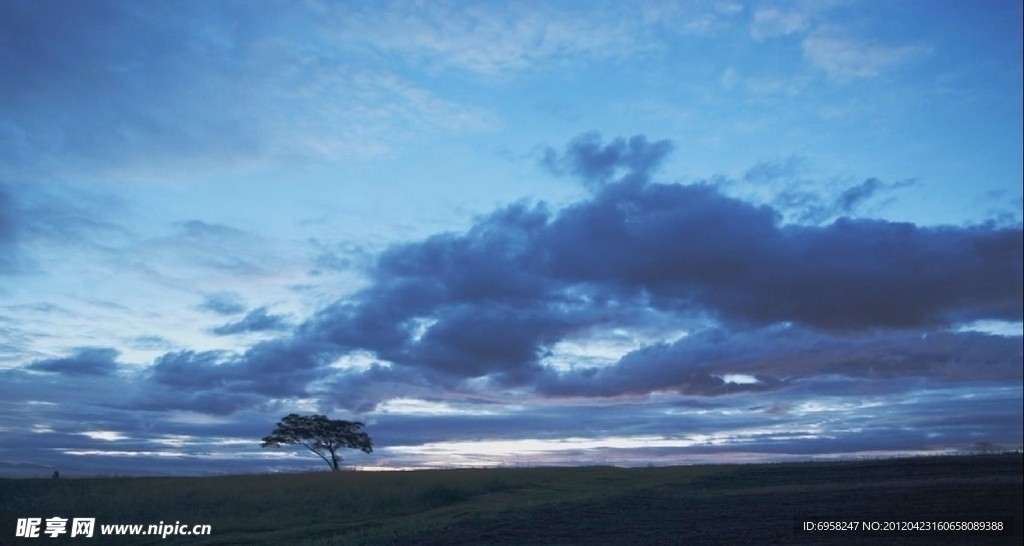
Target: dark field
point(709, 504)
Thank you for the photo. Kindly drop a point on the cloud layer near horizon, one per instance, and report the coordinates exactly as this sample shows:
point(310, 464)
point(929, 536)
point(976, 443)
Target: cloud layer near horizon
point(491, 309)
point(643, 289)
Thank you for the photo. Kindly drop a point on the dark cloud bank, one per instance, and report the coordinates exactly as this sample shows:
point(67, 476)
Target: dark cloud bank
point(476, 313)
point(257, 320)
point(473, 318)
point(96, 361)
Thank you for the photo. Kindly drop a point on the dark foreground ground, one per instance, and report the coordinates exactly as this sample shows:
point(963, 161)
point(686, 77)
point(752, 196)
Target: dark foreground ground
point(709, 504)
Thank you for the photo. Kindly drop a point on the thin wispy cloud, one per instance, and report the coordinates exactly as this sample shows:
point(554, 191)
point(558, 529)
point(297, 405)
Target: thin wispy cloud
point(257, 320)
point(492, 42)
point(223, 303)
point(263, 101)
point(846, 59)
point(774, 21)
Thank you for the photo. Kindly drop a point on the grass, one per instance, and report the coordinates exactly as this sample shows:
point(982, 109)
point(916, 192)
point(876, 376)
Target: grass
point(704, 504)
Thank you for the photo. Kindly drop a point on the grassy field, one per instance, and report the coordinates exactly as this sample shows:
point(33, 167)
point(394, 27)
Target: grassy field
point(707, 504)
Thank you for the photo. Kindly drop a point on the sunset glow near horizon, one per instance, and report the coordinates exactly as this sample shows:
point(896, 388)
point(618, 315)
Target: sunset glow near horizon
point(508, 233)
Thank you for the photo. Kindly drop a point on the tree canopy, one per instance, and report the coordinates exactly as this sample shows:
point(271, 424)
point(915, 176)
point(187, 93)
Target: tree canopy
point(320, 435)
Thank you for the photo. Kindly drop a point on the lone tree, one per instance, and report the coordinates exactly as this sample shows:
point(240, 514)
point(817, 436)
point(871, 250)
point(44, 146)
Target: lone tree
point(320, 435)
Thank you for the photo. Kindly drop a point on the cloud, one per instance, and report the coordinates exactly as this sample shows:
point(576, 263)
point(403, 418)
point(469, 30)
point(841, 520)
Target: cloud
point(361, 391)
point(257, 320)
point(691, 247)
point(705, 287)
point(223, 303)
point(767, 172)
point(490, 303)
point(784, 185)
point(596, 163)
point(150, 342)
point(677, 297)
point(777, 358)
point(72, 62)
point(488, 41)
point(217, 247)
point(98, 361)
point(504, 41)
point(200, 232)
point(771, 22)
point(276, 368)
point(36, 217)
point(223, 383)
point(855, 196)
point(126, 90)
point(845, 59)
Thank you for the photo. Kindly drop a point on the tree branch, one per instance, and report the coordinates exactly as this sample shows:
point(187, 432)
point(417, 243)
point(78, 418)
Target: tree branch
point(321, 455)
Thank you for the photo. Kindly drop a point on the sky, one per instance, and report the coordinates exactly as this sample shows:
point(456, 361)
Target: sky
point(508, 233)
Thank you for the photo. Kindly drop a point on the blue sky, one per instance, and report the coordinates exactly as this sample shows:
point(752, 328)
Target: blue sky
point(508, 233)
